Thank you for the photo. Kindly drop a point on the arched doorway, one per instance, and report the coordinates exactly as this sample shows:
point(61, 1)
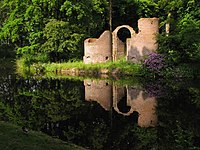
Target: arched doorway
point(120, 35)
point(123, 34)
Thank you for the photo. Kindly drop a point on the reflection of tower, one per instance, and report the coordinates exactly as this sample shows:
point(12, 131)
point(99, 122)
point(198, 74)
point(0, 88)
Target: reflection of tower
point(99, 91)
point(125, 101)
point(144, 105)
point(138, 101)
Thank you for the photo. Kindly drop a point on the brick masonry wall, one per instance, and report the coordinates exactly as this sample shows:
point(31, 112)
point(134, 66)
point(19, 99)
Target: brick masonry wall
point(145, 41)
point(134, 49)
point(98, 50)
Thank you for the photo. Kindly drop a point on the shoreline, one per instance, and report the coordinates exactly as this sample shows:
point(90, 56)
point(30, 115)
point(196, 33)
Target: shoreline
point(110, 69)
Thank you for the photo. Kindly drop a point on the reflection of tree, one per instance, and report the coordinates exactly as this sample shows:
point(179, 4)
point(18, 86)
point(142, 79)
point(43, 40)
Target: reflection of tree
point(7, 89)
point(146, 138)
point(48, 98)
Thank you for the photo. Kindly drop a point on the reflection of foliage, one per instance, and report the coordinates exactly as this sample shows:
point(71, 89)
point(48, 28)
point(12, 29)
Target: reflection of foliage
point(123, 139)
point(99, 135)
point(48, 99)
point(195, 95)
point(154, 88)
point(146, 138)
point(6, 113)
point(88, 129)
point(178, 115)
point(182, 138)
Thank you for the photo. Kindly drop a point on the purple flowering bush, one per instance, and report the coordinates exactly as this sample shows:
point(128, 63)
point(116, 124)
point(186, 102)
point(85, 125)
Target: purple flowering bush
point(154, 63)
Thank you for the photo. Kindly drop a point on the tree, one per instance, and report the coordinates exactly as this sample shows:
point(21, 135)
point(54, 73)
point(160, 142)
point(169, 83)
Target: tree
point(28, 26)
point(183, 43)
point(61, 40)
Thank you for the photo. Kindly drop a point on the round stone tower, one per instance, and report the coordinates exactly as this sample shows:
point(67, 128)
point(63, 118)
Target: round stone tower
point(148, 25)
point(145, 41)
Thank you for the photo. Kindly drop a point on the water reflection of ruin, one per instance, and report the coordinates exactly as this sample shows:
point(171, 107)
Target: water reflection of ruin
point(124, 100)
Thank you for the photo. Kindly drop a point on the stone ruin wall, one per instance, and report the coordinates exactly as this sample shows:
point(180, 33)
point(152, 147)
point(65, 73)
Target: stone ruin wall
point(98, 50)
point(139, 45)
point(145, 41)
point(119, 47)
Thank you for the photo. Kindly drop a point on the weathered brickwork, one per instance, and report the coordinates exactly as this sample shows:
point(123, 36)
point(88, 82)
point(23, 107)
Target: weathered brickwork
point(98, 50)
point(144, 42)
point(134, 49)
point(119, 47)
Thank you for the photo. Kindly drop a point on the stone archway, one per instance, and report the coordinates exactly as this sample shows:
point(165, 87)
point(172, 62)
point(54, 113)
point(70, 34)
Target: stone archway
point(119, 47)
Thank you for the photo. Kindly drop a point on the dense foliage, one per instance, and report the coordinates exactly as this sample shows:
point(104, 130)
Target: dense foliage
point(183, 43)
point(54, 28)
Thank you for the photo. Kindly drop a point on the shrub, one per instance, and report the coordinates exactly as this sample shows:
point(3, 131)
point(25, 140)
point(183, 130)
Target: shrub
point(154, 63)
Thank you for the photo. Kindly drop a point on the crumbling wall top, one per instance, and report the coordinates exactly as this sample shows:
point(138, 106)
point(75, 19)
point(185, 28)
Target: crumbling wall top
point(148, 25)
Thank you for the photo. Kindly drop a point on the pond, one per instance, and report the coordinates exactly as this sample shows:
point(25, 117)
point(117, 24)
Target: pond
point(102, 114)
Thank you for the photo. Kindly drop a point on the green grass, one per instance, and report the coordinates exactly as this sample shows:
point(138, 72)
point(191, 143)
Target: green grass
point(13, 138)
point(124, 66)
point(119, 68)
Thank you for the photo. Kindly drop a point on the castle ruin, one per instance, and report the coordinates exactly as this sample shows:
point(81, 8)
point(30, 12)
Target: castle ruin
point(134, 48)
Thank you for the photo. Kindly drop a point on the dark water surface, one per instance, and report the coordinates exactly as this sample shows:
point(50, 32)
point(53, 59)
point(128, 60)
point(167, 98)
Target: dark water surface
point(102, 114)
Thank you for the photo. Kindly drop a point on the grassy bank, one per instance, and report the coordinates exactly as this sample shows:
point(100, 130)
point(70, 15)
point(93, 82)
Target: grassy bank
point(117, 69)
point(13, 138)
